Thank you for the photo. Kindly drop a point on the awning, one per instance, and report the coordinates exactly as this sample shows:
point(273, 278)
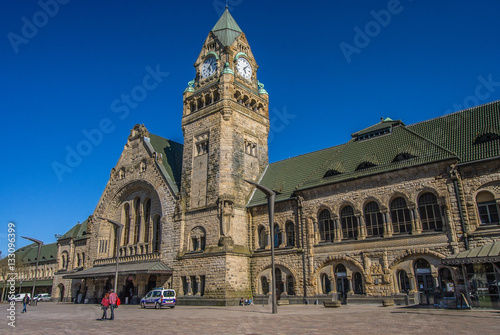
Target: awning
point(123, 268)
point(488, 253)
point(29, 283)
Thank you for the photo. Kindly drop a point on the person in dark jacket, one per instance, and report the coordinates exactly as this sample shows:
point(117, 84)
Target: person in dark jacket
point(26, 301)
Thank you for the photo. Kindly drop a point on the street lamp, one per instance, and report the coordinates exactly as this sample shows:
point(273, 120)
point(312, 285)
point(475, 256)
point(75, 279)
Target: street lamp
point(119, 227)
point(40, 243)
point(270, 195)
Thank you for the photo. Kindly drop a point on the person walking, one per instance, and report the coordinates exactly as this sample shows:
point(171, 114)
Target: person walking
point(26, 301)
point(113, 297)
point(105, 305)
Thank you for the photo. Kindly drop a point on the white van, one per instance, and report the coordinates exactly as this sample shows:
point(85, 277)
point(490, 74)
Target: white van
point(19, 297)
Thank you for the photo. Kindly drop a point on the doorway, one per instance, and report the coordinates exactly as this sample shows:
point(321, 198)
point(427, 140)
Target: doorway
point(425, 282)
point(342, 283)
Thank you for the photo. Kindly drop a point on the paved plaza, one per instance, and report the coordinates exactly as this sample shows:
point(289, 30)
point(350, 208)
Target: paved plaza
point(54, 318)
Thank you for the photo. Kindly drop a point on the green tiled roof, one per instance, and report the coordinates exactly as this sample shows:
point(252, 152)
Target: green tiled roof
point(77, 232)
point(226, 29)
point(28, 254)
point(447, 137)
point(458, 131)
point(172, 159)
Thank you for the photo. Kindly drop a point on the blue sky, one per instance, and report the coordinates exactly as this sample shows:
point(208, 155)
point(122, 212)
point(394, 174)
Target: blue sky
point(331, 68)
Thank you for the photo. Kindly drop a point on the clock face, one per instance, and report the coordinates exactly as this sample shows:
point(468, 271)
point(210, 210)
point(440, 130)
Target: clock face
point(209, 66)
point(244, 68)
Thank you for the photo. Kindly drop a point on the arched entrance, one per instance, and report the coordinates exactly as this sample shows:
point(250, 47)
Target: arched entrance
point(342, 282)
point(129, 290)
point(425, 282)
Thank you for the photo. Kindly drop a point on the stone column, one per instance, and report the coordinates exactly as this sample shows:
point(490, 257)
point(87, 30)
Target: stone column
point(413, 283)
point(268, 245)
point(387, 224)
point(361, 226)
point(351, 285)
point(198, 286)
point(418, 221)
point(338, 231)
point(188, 281)
point(285, 284)
point(141, 285)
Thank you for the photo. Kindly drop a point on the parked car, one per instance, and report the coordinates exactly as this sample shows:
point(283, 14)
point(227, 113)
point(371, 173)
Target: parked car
point(19, 297)
point(158, 298)
point(42, 297)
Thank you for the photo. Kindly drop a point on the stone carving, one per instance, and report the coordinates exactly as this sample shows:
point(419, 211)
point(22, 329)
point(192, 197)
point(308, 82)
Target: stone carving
point(225, 215)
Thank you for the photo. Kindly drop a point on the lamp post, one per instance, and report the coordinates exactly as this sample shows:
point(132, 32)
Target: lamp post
point(40, 243)
point(119, 227)
point(270, 195)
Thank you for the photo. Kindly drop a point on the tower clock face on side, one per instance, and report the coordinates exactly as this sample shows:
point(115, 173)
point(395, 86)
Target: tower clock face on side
point(209, 66)
point(244, 68)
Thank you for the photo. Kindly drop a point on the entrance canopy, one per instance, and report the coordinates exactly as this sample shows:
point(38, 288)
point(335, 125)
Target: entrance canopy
point(123, 268)
point(489, 253)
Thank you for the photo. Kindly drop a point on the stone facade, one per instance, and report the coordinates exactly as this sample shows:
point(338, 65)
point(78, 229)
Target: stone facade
point(377, 235)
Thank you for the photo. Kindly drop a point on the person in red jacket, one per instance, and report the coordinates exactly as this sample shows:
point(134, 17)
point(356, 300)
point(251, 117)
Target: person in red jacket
point(113, 297)
point(105, 305)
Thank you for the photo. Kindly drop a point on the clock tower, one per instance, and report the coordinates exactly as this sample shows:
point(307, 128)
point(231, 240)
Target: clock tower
point(225, 124)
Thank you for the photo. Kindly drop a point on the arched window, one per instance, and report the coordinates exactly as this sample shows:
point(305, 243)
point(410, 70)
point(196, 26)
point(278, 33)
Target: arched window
point(277, 236)
point(137, 213)
point(147, 219)
point(83, 259)
point(79, 260)
point(358, 283)
point(403, 281)
point(64, 260)
point(340, 271)
point(262, 237)
point(326, 285)
point(400, 215)
point(349, 223)
point(430, 213)
point(326, 226)
point(264, 284)
point(126, 226)
point(487, 208)
point(290, 234)
point(373, 219)
point(157, 234)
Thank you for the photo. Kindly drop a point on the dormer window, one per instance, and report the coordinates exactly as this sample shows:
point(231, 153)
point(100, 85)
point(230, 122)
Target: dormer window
point(373, 134)
point(486, 137)
point(402, 157)
point(331, 173)
point(365, 165)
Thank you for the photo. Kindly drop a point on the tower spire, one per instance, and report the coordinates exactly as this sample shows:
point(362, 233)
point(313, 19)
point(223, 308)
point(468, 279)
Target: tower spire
point(226, 29)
